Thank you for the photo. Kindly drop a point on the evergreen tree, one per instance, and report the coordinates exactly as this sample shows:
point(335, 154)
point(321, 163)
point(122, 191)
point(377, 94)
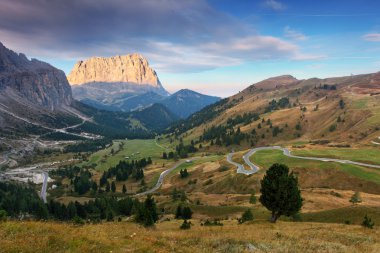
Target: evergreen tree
point(109, 215)
point(113, 187)
point(94, 186)
point(280, 192)
point(108, 187)
point(187, 213)
point(71, 211)
point(124, 189)
point(150, 205)
point(178, 213)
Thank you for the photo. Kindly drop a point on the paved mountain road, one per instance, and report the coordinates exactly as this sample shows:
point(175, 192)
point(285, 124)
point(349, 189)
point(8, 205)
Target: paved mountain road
point(254, 168)
point(163, 175)
point(44, 186)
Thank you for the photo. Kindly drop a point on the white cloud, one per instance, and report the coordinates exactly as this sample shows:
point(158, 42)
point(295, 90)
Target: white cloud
point(293, 34)
point(374, 37)
point(275, 5)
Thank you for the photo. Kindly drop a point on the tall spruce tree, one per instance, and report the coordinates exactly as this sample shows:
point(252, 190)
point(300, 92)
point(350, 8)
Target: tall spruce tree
point(280, 192)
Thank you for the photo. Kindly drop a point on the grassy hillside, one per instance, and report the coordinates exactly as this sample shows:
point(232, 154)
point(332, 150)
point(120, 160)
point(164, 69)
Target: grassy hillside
point(167, 237)
point(340, 111)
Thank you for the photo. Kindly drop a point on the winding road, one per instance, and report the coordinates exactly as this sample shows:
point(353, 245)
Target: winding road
point(254, 168)
point(44, 186)
point(163, 175)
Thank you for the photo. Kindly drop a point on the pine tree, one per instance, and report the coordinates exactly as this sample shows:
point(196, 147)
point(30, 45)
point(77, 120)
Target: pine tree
point(94, 186)
point(187, 213)
point(71, 211)
point(108, 187)
point(178, 213)
point(124, 189)
point(113, 187)
point(280, 192)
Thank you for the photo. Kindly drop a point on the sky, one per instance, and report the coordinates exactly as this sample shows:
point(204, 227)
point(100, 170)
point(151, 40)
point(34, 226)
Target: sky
point(216, 47)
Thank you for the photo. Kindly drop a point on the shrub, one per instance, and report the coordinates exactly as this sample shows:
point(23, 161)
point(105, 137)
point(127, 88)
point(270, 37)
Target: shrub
point(3, 215)
point(247, 216)
point(185, 225)
point(356, 198)
point(332, 128)
point(223, 168)
point(78, 221)
point(367, 222)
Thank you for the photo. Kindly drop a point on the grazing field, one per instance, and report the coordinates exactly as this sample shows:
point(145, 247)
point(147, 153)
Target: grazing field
point(121, 149)
point(265, 158)
point(358, 155)
point(260, 236)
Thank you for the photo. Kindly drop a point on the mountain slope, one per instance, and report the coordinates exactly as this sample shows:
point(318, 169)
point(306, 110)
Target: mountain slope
point(36, 81)
point(36, 99)
point(342, 110)
point(156, 117)
point(185, 102)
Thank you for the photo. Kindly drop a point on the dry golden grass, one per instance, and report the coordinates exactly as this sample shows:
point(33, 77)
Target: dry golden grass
point(167, 237)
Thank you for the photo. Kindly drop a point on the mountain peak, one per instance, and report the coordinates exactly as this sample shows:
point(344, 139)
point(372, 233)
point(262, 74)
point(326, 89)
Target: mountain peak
point(132, 68)
point(275, 82)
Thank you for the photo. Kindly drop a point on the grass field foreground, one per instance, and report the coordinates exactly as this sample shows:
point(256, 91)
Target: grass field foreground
point(167, 237)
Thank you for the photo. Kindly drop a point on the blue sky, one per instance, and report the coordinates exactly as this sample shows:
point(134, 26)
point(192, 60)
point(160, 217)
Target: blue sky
point(215, 47)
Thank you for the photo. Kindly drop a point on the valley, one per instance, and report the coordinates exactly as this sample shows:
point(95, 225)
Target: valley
point(104, 159)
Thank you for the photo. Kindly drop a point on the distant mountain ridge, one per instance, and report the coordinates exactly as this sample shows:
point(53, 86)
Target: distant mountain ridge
point(186, 102)
point(36, 99)
point(36, 81)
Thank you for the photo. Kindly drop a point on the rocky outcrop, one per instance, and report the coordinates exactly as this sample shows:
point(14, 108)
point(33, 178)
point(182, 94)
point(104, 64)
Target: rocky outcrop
point(133, 69)
point(36, 81)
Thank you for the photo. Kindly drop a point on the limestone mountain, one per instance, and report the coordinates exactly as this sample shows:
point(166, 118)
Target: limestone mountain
point(113, 80)
point(36, 101)
point(36, 81)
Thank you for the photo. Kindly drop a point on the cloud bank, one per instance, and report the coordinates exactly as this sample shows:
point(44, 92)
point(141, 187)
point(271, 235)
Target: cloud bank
point(176, 36)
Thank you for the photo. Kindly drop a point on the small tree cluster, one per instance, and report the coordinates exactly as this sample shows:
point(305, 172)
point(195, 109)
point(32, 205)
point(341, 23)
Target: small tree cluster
point(183, 173)
point(183, 213)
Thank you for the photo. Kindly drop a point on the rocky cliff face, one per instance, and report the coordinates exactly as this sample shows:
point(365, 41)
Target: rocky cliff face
point(38, 82)
point(133, 69)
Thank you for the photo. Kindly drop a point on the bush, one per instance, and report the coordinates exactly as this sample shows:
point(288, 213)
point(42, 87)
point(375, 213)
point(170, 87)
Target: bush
point(367, 222)
point(185, 225)
point(212, 223)
point(78, 221)
point(3, 215)
point(247, 216)
point(223, 168)
point(332, 128)
point(252, 199)
point(356, 198)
